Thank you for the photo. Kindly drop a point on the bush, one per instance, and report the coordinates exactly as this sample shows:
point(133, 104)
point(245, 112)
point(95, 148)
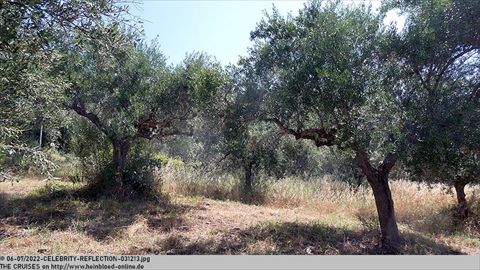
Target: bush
point(142, 176)
point(93, 152)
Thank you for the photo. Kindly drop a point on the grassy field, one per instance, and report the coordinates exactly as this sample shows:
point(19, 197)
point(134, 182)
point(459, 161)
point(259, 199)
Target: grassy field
point(206, 217)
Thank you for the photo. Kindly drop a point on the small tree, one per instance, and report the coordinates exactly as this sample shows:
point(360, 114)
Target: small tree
point(250, 148)
point(242, 141)
point(128, 92)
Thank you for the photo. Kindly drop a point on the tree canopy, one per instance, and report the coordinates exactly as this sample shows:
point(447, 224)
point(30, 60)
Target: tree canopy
point(30, 35)
point(323, 79)
point(438, 52)
point(128, 92)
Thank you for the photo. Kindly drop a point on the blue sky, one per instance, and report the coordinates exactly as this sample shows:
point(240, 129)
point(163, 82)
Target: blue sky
point(219, 28)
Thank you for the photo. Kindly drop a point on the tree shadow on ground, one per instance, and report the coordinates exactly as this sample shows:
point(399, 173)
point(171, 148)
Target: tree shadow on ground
point(105, 218)
point(294, 239)
point(250, 197)
point(302, 238)
point(447, 222)
point(101, 218)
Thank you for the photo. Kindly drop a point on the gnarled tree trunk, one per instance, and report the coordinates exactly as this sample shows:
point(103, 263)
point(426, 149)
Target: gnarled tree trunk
point(376, 177)
point(120, 152)
point(378, 180)
point(462, 199)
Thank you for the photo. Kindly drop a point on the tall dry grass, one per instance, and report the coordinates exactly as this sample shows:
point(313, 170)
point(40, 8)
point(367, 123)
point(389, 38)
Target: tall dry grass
point(187, 181)
point(428, 208)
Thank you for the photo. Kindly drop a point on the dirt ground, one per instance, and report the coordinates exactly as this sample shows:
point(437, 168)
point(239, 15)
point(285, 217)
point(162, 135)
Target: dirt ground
point(37, 217)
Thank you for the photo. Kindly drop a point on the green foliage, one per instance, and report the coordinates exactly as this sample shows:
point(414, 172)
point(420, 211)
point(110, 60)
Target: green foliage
point(141, 175)
point(132, 91)
point(91, 148)
point(203, 79)
point(30, 35)
point(164, 160)
point(128, 92)
point(439, 52)
point(321, 77)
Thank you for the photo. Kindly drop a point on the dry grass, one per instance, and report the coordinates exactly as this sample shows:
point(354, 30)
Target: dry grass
point(186, 181)
point(420, 206)
point(292, 217)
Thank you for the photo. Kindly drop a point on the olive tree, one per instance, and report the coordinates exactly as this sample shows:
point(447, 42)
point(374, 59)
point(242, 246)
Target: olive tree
point(245, 142)
point(322, 79)
point(251, 148)
point(30, 34)
point(128, 92)
point(438, 56)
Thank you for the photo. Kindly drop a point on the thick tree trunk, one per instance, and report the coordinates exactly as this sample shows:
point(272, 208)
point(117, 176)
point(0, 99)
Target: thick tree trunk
point(462, 200)
point(385, 210)
point(248, 176)
point(378, 180)
point(120, 151)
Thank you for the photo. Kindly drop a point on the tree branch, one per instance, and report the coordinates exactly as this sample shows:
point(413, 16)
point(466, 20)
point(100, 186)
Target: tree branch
point(319, 135)
point(383, 169)
point(155, 131)
point(387, 164)
point(79, 107)
point(448, 64)
point(364, 163)
point(149, 127)
point(422, 81)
